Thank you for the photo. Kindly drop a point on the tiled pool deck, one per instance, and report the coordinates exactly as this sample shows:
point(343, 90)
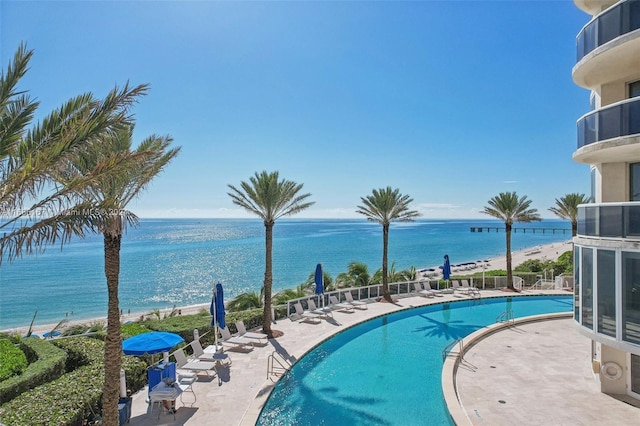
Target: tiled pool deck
point(542, 373)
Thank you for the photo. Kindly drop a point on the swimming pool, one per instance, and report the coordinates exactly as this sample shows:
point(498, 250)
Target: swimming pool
point(387, 371)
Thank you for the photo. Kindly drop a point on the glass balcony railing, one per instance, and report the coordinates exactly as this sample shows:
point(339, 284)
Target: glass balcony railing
point(613, 22)
point(611, 220)
point(620, 119)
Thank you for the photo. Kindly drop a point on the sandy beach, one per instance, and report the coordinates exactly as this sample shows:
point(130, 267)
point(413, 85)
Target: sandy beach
point(543, 252)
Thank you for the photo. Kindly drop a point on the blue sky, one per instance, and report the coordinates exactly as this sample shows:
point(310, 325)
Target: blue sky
point(452, 102)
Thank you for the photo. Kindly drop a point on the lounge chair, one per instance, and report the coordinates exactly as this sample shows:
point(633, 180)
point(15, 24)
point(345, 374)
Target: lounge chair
point(210, 353)
point(421, 292)
point(471, 290)
point(242, 332)
point(358, 304)
point(457, 287)
point(435, 292)
point(237, 342)
point(323, 312)
point(338, 306)
point(306, 316)
point(193, 365)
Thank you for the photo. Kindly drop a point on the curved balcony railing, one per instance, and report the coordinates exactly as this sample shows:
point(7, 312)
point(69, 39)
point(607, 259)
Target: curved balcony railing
point(613, 22)
point(611, 220)
point(614, 121)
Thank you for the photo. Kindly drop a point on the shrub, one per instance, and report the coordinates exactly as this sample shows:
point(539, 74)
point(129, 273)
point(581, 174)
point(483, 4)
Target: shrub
point(133, 329)
point(48, 364)
point(12, 360)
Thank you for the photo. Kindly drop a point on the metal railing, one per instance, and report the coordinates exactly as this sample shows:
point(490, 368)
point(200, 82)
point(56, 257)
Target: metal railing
point(277, 365)
point(613, 121)
point(507, 316)
point(447, 349)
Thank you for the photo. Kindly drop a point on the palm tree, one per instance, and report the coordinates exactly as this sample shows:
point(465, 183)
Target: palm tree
point(384, 206)
point(270, 199)
point(30, 154)
point(244, 301)
point(104, 205)
point(357, 275)
point(508, 207)
point(567, 208)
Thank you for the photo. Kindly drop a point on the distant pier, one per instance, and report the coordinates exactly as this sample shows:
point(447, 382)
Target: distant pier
point(523, 230)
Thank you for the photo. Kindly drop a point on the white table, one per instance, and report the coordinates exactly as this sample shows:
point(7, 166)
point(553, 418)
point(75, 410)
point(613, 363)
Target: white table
point(163, 392)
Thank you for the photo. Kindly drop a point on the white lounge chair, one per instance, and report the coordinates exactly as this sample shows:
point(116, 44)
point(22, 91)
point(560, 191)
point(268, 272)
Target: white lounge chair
point(356, 303)
point(471, 290)
point(435, 292)
point(306, 316)
point(242, 332)
point(210, 353)
point(421, 292)
point(339, 306)
point(323, 312)
point(193, 365)
point(457, 287)
point(237, 342)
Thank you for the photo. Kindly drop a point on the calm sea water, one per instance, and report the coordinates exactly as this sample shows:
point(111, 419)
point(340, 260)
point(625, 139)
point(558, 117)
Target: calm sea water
point(166, 262)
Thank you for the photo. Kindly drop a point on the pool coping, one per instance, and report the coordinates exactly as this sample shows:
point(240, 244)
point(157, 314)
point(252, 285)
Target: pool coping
point(252, 413)
point(450, 367)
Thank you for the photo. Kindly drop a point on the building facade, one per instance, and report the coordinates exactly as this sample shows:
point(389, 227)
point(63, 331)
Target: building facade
point(607, 247)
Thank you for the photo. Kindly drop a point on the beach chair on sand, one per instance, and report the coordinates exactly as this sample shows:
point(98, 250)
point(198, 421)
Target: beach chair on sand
point(358, 304)
point(339, 306)
point(421, 292)
point(306, 316)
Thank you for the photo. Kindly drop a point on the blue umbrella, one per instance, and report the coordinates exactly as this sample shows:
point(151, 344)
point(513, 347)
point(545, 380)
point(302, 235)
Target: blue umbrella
point(446, 268)
point(217, 311)
point(151, 343)
point(54, 333)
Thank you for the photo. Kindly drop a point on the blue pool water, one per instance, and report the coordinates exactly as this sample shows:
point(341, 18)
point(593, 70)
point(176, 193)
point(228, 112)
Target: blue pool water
point(387, 371)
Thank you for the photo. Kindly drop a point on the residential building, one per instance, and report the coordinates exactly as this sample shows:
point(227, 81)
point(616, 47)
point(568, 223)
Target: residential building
point(607, 247)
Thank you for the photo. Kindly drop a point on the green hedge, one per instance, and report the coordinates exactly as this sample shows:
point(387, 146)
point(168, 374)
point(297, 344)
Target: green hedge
point(65, 401)
point(13, 361)
point(49, 365)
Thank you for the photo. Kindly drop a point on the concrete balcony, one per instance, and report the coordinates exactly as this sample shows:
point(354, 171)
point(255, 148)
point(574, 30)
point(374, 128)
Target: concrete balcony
point(608, 47)
point(593, 7)
point(610, 134)
point(609, 220)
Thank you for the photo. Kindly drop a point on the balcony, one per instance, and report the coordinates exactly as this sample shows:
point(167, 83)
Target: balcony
point(608, 25)
point(609, 220)
point(592, 7)
point(612, 123)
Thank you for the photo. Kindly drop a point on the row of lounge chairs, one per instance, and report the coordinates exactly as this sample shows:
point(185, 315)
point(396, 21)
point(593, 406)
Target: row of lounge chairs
point(315, 314)
point(456, 287)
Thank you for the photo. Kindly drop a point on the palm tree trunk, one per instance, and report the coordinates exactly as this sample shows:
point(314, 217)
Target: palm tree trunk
point(574, 228)
point(113, 342)
point(268, 279)
point(509, 271)
point(385, 248)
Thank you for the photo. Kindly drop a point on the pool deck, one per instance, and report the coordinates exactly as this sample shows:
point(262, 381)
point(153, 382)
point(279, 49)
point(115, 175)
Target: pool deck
point(544, 377)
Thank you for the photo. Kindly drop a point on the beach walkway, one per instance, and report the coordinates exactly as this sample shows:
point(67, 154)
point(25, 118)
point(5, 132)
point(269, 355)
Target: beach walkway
point(245, 386)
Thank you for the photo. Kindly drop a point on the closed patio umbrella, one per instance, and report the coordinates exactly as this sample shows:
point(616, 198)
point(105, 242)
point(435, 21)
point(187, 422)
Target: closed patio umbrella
point(446, 269)
point(319, 280)
point(217, 311)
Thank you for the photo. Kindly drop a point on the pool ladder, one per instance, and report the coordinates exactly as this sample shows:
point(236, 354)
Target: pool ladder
point(277, 365)
point(507, 316)
point(447, 350)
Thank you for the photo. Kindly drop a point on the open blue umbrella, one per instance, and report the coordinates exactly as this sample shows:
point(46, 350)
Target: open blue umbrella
point(446, 268)
point(151, 343)
point(54, 333)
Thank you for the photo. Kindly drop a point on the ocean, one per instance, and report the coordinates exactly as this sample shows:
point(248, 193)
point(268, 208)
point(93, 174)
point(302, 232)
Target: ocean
point(167, 262)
